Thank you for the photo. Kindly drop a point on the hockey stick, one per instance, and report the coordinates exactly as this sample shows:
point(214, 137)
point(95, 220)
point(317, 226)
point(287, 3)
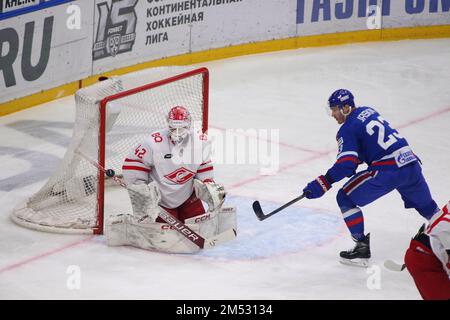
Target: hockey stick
point(394, 266)
point(261, 216)
point(202, 243)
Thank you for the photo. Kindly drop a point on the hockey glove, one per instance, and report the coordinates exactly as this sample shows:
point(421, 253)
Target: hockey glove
point(212, 193)
point(317, 188)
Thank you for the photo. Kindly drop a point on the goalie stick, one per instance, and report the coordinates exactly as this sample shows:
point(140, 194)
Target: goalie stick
point(261, 216)
point(202, 243)
point(394, 266)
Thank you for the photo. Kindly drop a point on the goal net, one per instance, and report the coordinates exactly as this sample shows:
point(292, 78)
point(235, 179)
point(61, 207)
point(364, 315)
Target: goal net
point(112, 116)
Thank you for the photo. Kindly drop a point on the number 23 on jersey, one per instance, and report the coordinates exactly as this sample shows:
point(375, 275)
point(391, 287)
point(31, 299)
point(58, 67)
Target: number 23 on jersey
point(380, 125)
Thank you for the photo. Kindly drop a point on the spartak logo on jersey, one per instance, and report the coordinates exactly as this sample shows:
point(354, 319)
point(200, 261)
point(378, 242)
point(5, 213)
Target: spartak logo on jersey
point(180, 176)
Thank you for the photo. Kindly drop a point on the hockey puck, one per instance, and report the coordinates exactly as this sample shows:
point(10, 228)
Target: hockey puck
point(110, 173)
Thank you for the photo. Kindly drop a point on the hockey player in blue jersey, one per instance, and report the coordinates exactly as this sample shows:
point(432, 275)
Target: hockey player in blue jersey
point(365, 137)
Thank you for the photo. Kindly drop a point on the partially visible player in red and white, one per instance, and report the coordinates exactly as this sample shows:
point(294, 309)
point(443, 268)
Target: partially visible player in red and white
point(170, 170)
point(428, 257)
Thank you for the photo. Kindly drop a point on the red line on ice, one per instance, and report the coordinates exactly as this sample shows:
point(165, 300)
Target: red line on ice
point(317, 155)
point(431, 115)
point(43, 255)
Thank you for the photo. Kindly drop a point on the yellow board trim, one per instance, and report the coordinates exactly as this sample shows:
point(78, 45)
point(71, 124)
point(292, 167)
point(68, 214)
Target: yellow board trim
point(428, 32)
point(38, 98)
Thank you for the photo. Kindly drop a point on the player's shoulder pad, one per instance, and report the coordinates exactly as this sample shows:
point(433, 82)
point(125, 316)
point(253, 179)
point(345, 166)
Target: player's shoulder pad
point(157, 136)
point(362, 114)
point(162, 131)
point(357, 120)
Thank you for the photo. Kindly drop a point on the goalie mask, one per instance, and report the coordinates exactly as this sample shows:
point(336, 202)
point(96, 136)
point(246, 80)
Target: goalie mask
point(179, 121)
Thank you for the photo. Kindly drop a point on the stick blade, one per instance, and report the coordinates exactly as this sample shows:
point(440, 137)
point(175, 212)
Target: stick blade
point(393, 266)
point(258, 210)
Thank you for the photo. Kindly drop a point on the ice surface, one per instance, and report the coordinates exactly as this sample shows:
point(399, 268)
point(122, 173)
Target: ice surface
point(292, 255)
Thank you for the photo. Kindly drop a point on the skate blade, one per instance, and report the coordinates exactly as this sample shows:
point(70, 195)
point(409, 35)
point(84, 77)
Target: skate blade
point(357, 262)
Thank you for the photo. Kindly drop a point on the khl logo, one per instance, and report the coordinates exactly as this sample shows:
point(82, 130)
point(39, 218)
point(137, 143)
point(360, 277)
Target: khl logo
point(116, 31)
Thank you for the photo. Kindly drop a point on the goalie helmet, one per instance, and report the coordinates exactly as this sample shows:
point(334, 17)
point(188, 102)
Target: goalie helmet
point(340, 98)
point(179, 120)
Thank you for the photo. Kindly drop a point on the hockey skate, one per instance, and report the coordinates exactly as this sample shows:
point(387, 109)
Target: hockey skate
point(358, 256)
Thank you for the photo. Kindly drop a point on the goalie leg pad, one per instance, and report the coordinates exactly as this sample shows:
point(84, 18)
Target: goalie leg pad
point(145, 234)
point(208, 224)
point(116, 230)
point(144, 199)
point(227, 219)
point(213, 223)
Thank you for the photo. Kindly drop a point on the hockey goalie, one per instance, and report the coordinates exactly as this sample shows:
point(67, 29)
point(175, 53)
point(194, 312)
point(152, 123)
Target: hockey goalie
point(171, 170)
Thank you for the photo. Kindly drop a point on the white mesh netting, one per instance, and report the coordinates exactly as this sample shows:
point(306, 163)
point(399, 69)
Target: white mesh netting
point(68, 202)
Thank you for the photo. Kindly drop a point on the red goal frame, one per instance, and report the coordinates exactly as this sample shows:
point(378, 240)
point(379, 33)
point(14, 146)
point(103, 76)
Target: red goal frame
point(102, 136)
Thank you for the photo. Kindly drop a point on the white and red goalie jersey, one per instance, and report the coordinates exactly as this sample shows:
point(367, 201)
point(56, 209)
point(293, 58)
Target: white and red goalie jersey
point(172, 166)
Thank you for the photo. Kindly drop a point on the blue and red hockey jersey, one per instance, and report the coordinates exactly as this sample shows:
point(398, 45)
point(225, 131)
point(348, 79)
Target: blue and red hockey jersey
point(366, 137)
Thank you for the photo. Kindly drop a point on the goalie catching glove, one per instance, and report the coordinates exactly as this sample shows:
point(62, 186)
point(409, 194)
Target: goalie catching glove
point(212, 193)
point(145, 199)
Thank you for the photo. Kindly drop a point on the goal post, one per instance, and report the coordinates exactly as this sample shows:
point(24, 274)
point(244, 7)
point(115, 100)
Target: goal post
point(203, 72)
point(112, 116)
